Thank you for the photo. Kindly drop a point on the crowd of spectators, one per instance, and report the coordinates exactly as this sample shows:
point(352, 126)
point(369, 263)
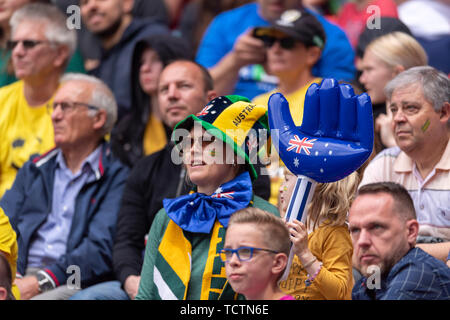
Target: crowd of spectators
point(96, 179)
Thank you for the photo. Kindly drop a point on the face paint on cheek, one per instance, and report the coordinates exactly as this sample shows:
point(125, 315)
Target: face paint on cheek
point(212, 152)
point(426, 125)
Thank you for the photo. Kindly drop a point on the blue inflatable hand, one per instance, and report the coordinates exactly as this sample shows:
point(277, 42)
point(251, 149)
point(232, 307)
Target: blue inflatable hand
point(336, 135)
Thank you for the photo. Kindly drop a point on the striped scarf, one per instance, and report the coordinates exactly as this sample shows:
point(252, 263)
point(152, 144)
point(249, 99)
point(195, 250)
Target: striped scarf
point(192, 239)
point(173, 265)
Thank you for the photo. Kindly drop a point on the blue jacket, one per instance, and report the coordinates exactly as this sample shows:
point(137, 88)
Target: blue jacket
point(90, 242)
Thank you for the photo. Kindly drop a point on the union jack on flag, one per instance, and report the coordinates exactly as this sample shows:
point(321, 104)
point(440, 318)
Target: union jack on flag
point(300, 145)
point(204, 111)
point(223, 195)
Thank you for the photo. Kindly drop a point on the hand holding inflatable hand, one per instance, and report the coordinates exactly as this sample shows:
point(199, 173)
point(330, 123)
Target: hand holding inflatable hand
point(335, 139)
point(336, 135)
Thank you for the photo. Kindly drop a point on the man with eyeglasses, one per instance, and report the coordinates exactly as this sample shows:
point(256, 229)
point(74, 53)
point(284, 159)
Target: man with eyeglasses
point(64, 205)
point(41, 46)
point(419, 99)
point(236, 59)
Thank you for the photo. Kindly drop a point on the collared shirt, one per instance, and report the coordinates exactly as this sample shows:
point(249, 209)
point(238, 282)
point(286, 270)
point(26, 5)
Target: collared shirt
point(431, 195)
point(417, 276)
point(51, 238)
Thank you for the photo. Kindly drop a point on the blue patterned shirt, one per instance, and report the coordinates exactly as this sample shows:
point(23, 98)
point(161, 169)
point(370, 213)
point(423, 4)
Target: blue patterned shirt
point(417, 276)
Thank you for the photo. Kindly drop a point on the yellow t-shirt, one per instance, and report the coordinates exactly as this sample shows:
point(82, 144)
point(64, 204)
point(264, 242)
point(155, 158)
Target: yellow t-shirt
point(8, 245)
point(333, 247)
point(24, 131)
point(296, 100)
point(155, 137)
point(296, 104)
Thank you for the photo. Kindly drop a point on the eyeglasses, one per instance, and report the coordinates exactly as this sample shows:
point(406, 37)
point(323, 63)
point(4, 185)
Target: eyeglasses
point(287, 43)
point(243, 253)
point(68, 107)
point(27, 44)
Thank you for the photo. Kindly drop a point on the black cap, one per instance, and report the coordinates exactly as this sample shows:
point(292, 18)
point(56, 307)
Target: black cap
point(302, 26)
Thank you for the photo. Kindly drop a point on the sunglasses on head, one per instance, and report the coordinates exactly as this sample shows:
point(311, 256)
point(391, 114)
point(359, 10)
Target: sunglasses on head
point(27, 44)
point(285, 42)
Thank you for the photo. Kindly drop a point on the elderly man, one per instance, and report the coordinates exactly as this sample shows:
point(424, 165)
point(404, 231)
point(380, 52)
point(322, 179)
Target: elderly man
point(41, 47)
point(235, 56)
point(419, 101)
point(383, 227)
point(64, 204)
point(113, 24)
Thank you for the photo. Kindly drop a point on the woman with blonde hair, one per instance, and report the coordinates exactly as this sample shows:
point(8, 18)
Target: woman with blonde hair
point(383, 59)
point(322, 265)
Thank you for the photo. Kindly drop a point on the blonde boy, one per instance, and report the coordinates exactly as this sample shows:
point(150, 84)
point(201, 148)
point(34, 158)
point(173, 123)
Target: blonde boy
point(255, 254)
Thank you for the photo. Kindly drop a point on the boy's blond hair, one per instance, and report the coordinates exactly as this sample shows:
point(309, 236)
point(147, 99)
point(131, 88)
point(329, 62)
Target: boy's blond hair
point(275, 232)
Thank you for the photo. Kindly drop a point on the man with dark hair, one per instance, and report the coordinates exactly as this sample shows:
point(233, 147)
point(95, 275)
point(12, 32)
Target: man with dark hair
point(383, 227)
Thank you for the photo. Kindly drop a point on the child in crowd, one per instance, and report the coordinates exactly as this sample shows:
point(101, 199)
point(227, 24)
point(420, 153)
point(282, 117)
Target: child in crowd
point(322, 265)
point(255, 254)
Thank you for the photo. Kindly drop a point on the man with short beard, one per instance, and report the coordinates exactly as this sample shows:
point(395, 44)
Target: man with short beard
point(112, 22)
point(383, 227)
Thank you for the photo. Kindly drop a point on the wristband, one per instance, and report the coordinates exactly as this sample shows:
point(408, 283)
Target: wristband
point(311, 278)
point(310, 263)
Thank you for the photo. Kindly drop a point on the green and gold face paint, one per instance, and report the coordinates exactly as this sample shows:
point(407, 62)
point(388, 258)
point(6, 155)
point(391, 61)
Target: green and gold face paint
point(426, 125)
